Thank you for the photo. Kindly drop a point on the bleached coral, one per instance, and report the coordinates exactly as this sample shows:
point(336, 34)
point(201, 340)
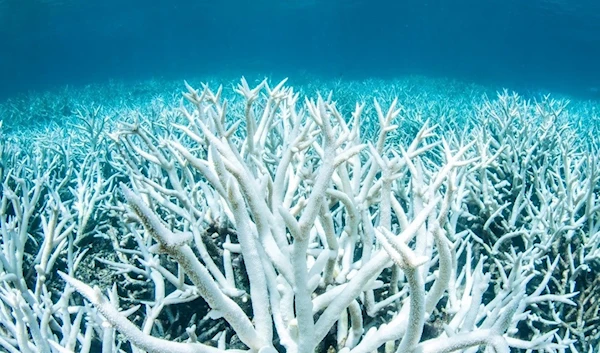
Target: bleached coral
point(305, 229)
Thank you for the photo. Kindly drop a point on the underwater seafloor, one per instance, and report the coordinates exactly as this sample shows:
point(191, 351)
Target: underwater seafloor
point(520, 212)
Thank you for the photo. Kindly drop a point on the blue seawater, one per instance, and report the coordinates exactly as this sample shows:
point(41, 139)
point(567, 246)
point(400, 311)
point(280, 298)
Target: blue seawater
point(72, 72)
point(519, 44)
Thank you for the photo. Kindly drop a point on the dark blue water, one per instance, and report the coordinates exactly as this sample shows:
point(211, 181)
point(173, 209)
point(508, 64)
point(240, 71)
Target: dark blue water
point(530, 44)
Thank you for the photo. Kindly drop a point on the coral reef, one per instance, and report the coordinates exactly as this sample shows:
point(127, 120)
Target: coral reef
point(411, 216)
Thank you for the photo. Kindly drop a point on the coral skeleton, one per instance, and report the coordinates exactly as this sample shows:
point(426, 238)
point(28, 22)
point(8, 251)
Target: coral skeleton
point(269, 220)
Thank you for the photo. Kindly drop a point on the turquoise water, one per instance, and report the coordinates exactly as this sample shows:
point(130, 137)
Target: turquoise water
point(92, 114)
point(523, 45)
